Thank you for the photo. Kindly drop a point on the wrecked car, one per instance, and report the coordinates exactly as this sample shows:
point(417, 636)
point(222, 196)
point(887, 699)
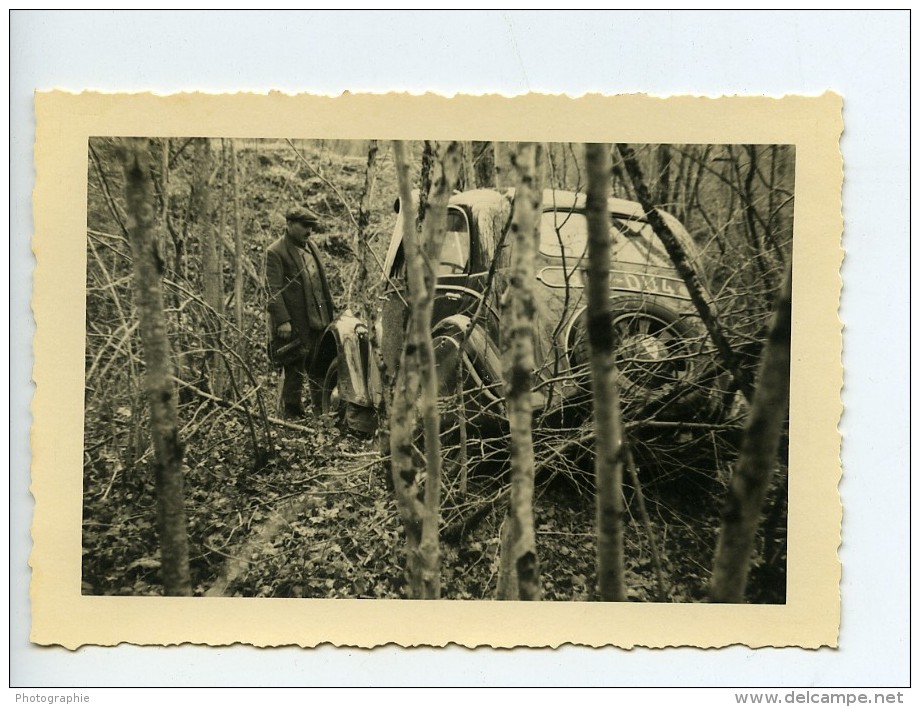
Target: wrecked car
point(664, 355)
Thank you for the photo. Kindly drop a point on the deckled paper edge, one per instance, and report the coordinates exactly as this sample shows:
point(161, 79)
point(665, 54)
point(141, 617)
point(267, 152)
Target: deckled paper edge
point(62, 616)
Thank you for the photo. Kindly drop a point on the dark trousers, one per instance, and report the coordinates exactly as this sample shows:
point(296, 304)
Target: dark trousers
point(292, 389)
point(295, 374)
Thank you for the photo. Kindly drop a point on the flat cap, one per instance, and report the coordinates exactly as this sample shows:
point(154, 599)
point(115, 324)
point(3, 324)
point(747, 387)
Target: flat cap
point(303, 215)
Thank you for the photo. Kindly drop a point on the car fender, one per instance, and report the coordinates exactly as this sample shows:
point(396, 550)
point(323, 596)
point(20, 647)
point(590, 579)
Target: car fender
point(479, 352)
point(346, 337)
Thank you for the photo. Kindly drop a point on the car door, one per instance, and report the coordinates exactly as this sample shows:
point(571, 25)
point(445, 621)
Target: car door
point(452, 292)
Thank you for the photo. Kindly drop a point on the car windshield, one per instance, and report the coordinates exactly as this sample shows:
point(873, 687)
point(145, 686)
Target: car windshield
point(566, 233)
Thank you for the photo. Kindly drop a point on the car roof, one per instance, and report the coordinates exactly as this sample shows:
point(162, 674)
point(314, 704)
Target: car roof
point(564, 200)
point(477, 198)
point(555, 200)
point(559, 199)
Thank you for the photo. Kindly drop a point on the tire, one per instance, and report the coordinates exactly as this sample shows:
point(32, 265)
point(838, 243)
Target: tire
point(664, 368)
point(350, 417)
point(472, 438)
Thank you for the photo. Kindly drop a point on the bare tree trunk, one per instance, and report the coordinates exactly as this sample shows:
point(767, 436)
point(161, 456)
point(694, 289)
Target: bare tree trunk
point(608, 426)
point(443, 182)
point(519, 549)
point(678, 256)
point(504, 174)
point(210, 265)
point(161, 389)
point(237, 243)
point(201, 211)
point(664, 174)
point(508, 588)
point(622, 186)
point(751, 477)
point(694, 189)
point(434, 228)
point(222, 216)
point(467, 174)
point(677, 200)
point(170, 244)
point(662, 593)
point(372, 314)
point(164, 198)
point(484, 164)
point(424, 186)
point(362, 246)
point(417, 378)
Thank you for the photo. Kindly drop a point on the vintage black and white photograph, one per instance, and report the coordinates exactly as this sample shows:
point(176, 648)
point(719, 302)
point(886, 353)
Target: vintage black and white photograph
point(325, 360)
point(437, 369)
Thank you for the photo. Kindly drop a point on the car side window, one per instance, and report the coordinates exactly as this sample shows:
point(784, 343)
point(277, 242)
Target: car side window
point(455, 253)
point(637, 244)
point(563, 232)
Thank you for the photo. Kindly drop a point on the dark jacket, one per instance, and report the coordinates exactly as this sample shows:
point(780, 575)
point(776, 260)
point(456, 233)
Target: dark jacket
point(287, 280)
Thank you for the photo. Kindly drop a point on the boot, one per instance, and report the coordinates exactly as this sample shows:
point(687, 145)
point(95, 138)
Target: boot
point(294, 411)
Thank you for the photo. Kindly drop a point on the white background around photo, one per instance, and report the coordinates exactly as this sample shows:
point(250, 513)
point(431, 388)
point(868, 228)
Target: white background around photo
point(864, 56)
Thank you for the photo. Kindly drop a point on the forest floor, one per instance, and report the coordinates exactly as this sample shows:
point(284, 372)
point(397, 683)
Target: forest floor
point(315, 518)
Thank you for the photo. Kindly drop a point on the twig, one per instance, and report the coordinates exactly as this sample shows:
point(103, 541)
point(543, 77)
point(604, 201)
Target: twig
point(647, 522)
point(229, 557)
point(179, 151)
point(685, 425)
point(249, 423)
point(235, 406)
point(110, 201)
point(111, 481)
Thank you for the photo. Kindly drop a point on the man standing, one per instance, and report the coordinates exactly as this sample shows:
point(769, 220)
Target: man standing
point(299, 306)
